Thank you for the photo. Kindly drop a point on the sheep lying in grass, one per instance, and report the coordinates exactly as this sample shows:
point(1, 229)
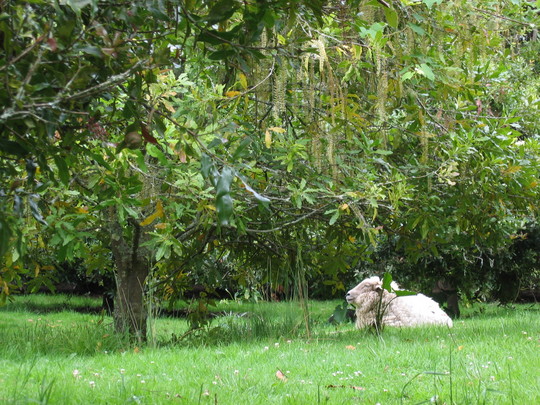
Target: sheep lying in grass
point(393, 310)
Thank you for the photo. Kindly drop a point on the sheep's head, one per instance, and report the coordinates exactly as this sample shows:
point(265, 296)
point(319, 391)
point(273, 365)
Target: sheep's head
point(362, 290)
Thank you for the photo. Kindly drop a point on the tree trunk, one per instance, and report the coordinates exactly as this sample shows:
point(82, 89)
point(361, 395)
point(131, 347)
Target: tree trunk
point(132, 268)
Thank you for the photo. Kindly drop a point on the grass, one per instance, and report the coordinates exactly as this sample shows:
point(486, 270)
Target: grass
point(491, 356)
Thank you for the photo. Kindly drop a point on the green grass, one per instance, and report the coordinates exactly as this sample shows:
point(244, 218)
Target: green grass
point(491, 356)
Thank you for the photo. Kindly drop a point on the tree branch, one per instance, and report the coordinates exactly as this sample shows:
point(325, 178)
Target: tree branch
point(286, 224)
point(23, 53)
point(113, 81)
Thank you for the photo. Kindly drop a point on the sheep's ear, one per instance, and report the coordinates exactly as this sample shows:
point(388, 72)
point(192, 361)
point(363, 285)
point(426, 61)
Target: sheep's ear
point(378, 287)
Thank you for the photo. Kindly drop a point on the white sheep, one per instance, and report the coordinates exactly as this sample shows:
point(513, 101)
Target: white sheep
point(407, 310)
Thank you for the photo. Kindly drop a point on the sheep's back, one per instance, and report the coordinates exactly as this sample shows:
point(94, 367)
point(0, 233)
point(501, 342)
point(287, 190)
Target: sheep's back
point(412, 310)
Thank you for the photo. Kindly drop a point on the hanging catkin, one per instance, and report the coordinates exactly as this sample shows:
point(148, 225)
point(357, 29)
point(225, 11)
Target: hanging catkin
point(323, 57)
point(278, 92)
point(310, 87)
point(368, 13)
point(308, 66)
point(382, 90)
point(424, 137)
point(261, 70)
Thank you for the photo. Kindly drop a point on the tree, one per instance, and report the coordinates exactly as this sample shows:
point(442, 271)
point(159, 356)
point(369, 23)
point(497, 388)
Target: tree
point(283, 136)
point(57, 78)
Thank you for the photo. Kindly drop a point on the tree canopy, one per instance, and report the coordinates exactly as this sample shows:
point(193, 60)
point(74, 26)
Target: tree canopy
point(275, 142)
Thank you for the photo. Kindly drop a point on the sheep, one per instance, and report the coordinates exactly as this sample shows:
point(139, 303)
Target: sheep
point(406, 310)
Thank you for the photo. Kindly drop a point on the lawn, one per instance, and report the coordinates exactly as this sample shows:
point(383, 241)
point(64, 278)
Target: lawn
point(53, 354)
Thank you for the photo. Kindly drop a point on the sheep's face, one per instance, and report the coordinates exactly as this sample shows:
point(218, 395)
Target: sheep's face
point(368, 286)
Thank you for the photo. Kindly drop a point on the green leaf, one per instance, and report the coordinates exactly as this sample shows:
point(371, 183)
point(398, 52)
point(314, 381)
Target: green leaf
point(426, 71)
point(383, 152)
point(207, 166)
point(404, 293)
point(140, 161)
point(391, 17)
point(127, 208)
point(159, 12)
point(375, 31)
point(334, 218)
point(92, 50)
point(159, 126)
point(416, 28)
point(430, 3)
point(77, 5)
point(224, 206)
point(63, 171)
point(241, 150)
point(415, 223)
point(407, 75)
point(65, 29)
point(387, 282)
point(17, 205)
point(164, 250)
point(99, 159)
point(424, 229)
point(224, 202)
point(220, 55)
point(154, 151)
point(340, 313)
point(213, 37)
point(222, 10)
point(5, 236)
point(217, 141)
point(13, 148)
point(36, 212)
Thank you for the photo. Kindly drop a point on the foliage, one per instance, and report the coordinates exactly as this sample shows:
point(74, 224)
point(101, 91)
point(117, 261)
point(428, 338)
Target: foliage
point(287, 141)
point(504, 273)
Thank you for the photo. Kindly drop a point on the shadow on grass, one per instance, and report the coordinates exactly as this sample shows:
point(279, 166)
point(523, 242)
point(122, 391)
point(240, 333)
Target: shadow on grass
point(49, 308)
point(486, 311)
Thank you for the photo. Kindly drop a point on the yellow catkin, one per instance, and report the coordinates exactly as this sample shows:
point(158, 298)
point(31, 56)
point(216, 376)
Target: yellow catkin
point(311, 87)
point(278, 94)
point(397, 84)
point(424, 143)
point(261, 71)
point(358, 213)
point(332, 88)
point(330, 139)
point(264, 39)
point(424, 138)
point(323, 57)
point(410, 43)
point(308, 67)
point(327, 76)
point(382, 94)
point(316, 148)
point(368, 13)
point(382, 90)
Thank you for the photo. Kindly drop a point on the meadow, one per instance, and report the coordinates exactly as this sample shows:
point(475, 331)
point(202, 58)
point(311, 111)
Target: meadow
point(52, 352)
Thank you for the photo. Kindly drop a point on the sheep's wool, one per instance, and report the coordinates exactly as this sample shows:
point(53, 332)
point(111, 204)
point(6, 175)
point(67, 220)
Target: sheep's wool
point(410, 310)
